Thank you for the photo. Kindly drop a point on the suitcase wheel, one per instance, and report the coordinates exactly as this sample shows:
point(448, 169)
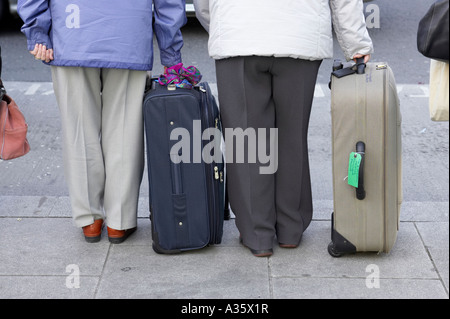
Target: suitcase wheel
point(332, 250)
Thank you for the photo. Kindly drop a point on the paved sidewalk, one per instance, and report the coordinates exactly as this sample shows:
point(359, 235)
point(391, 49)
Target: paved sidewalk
point(41, 249)
point(42, 255)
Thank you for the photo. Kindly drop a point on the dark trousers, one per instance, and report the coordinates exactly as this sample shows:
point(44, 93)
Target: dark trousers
point(268, 92)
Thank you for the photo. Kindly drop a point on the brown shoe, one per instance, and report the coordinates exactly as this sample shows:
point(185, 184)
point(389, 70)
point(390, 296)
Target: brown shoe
point(93, 232)
point(118, 236)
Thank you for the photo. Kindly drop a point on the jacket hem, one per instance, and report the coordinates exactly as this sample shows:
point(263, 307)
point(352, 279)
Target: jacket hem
point(293, 56)
point(102, 64)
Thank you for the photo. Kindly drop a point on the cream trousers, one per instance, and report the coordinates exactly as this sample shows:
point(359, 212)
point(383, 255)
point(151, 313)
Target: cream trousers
point(103, 142)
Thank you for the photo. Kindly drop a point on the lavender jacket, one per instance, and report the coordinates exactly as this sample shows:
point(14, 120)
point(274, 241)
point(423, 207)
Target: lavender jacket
point(105, 33)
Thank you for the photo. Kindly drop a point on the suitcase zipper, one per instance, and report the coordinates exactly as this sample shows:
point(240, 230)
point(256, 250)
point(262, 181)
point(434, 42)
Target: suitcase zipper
point(212, 171)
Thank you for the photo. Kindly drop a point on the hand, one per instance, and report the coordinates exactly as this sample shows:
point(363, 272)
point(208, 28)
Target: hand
point(366, 57)
point(41, 52)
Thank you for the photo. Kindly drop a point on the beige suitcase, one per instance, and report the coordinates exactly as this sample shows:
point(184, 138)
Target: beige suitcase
point(367, 158)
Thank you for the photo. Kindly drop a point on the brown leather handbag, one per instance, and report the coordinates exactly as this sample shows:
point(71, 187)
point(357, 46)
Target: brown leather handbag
point(13, 128)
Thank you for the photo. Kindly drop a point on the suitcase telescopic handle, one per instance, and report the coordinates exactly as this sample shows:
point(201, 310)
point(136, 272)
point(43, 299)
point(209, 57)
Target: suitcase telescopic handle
point(360, 191)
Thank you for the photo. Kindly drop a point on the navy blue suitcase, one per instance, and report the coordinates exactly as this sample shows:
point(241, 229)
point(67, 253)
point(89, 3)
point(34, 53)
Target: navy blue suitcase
point(187, 191)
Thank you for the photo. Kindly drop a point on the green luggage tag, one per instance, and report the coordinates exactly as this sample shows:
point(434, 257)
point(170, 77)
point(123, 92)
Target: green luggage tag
point(353, 169)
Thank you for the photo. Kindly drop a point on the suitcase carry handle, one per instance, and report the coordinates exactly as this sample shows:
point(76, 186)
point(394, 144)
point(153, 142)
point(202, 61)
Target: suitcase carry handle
point(339, 71)
point(360, 191)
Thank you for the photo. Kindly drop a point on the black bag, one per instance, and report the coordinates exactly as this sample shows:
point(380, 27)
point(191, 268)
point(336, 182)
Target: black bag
point(433, 33)
point(187, 193)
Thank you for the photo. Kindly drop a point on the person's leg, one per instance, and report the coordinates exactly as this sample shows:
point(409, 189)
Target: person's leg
point(77, 91)
point(293, 91)
point(245, 99)
point(122, 144)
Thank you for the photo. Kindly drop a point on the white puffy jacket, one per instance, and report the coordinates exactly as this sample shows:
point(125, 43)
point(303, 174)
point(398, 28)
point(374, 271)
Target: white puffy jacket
point(283, 28)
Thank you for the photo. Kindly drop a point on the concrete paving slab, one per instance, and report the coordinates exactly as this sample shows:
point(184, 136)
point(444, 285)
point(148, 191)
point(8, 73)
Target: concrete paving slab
point(26, 206)
point(425, 211)
point(61, 208)
point(408, 259)
point(46, 246)
point(218, 273)
point(355, 288)
point(46, 287)
point(435, 237)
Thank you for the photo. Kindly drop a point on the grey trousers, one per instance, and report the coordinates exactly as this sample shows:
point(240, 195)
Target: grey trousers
point(103, 142)
point(268, 92)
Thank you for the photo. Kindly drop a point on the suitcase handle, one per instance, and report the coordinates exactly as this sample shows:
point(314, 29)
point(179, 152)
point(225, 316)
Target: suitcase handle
point(360, 191)
point(339, 71)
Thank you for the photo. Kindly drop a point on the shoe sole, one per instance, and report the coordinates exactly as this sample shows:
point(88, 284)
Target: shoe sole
point(119, 240)
point(92, 240)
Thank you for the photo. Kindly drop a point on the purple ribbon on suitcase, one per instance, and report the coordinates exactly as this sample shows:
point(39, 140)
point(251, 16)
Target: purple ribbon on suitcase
point(181, 76)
